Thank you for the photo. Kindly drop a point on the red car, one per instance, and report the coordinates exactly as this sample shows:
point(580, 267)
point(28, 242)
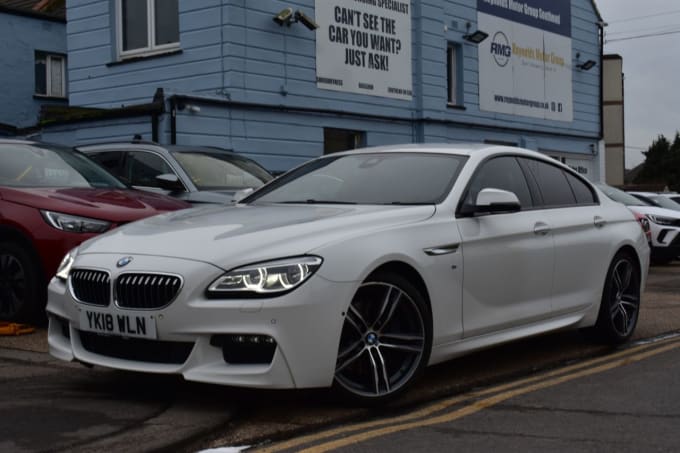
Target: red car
point(53, 198)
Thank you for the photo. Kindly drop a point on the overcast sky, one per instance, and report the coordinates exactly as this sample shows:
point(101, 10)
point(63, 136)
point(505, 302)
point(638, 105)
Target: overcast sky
point(651, 67)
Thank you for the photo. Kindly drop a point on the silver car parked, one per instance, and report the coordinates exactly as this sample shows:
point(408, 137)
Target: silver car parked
point(197, 174)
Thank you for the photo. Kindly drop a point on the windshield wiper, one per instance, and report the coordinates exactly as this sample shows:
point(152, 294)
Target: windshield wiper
point(312, 201)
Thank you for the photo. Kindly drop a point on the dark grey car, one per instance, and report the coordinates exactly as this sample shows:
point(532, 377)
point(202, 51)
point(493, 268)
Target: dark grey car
point(198, 174)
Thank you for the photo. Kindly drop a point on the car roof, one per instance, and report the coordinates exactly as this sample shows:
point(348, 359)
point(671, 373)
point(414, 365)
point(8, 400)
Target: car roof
point(144, 145)
point(463, 149)
point(655, 194)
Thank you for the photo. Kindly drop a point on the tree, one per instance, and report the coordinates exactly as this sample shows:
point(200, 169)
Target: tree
point(662, 163)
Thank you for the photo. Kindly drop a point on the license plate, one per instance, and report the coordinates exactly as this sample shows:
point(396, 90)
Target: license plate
point(122, 324)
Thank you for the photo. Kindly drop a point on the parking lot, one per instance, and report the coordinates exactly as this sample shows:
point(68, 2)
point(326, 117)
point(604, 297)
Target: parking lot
point(95, 409)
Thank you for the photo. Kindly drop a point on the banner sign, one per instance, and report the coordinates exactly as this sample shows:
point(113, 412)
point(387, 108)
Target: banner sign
point(549, 15)
point(364, 46)
point(525, 64)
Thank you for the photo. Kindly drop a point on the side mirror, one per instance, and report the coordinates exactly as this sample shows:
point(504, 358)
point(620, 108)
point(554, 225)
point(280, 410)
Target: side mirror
point(493, 201)
point(241, 194)
point(171, 182)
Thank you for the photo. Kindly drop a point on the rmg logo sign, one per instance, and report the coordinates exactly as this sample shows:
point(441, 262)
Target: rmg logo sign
point(500, 49)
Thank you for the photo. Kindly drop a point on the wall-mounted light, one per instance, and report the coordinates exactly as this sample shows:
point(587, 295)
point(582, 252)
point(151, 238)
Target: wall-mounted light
point(305, 20)
point(586, 65)
point(287, 17)
point(189, 107)
point(475, 37)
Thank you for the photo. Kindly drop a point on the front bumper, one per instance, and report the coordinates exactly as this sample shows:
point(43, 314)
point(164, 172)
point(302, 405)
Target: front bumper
point(305, 325)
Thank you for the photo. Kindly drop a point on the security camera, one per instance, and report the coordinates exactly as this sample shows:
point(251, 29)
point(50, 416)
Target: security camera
point(284, 17)
point(306, 20)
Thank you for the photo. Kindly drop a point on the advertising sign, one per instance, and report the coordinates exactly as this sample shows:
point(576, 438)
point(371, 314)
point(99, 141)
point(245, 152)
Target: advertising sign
point(364, 46)
point(525, 63)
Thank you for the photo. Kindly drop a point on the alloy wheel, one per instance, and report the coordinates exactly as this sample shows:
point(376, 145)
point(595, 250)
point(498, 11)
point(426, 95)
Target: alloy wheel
point(625, 297)
point(12, 285)
point(382, 343)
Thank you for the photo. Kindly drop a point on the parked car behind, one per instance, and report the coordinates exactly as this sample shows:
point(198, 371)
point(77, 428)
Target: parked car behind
point(658, 200)
point(672, 195)
point(664, 223)
point(357, 268)
point(53, 198)
point(191, 173)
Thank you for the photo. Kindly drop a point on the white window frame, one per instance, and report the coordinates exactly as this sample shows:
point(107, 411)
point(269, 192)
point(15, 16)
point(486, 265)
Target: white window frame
point(49, 92)
point(152, 48)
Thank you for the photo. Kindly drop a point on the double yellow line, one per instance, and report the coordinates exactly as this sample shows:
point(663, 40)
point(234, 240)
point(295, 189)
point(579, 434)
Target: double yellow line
point(477, 401)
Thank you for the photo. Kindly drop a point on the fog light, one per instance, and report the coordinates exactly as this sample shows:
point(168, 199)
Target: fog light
point(62, 325)
point(247, 349)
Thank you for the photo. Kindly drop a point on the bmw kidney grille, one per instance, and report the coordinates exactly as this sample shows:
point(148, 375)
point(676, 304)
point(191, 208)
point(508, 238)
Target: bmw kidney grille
point(91, 287)
point(134, 291)
point(146, 291)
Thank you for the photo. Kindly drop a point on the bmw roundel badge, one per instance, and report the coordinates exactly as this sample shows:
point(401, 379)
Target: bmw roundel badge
point(124, 261)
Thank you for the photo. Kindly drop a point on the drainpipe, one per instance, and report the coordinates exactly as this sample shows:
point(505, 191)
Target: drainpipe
point(173, 120)
point(601, 26)
point(154, 127)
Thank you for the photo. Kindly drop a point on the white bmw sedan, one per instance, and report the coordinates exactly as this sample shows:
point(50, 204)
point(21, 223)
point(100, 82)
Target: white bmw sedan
point(357, 270)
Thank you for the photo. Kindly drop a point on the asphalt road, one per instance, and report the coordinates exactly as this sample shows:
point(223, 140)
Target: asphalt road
point(47, 405)
point(628, 401)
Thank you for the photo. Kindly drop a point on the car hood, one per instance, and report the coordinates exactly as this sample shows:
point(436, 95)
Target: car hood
point(654, 210)
point(113, 205)
point(229, 236)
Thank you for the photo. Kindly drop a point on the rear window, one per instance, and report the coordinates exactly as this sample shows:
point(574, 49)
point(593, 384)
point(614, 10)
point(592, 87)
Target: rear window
point(33, 165)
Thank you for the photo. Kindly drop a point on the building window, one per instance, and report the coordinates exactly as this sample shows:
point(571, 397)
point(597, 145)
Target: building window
point(454, 82)
point(50, 74)
point(335, 140)
point(147, 26)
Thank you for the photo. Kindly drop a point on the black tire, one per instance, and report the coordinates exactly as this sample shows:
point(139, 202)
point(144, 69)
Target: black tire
point(385, 342)
point(620, 306)
point(22, 291)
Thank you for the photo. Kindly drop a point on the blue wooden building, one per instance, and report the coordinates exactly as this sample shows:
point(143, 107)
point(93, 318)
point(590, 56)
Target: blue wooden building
point(285, 81)
point(32, 61)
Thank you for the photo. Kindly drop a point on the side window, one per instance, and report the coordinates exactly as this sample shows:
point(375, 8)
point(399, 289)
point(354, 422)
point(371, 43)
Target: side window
point(110, 160)
point(143, 167)
point(501, 173)
point(553, 184)
point(583, 193)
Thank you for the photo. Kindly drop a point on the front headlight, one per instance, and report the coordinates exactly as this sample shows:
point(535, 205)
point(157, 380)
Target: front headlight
point(66, 264)
point(265, 279)
point(660, 220)
point(74, 224)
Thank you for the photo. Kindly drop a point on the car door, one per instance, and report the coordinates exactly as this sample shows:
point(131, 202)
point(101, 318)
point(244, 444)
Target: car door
point(579, 228)
point(508, 258)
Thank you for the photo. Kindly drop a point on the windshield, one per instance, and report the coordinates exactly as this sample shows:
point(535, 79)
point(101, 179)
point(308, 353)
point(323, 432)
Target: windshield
point(375, 178)
point(621, 196)
point(24, 165)
point(221, 170)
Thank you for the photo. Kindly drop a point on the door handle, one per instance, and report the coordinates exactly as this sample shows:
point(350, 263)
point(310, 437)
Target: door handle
point(541, 228)
point(599, 221)
point(441, 250)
